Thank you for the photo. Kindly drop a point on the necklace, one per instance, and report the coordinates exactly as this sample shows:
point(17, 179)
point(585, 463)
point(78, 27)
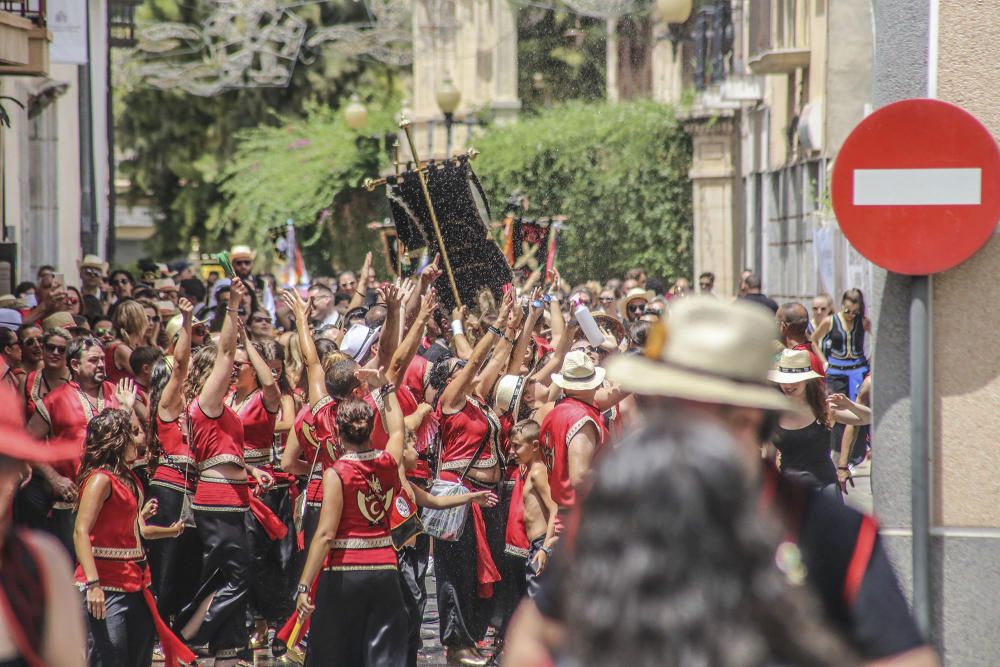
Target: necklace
point(89, 408)
point(237, 407)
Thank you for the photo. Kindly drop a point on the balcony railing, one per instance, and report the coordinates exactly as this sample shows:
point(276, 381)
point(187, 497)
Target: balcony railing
point(778, 36)
point(712, 34)
point(33, 10)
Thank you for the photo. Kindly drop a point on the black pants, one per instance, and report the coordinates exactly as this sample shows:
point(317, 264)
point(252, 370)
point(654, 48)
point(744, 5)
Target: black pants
point(412, 573)
point(224, 572)
point(271, 582)
point(507, 593)
point(532, 578)
point(32, 503)
point(359, 620)
point(464, 616)
point(60, 524)
point(173, 563)
point(124, 638)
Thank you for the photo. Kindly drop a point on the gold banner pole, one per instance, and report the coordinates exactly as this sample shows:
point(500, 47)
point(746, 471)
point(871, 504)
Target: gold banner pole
point(407, 126)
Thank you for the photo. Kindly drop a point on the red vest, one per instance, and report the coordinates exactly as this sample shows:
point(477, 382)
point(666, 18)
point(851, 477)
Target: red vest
point(416, 377)
point(258, 428)
point(315, 428)
point(69, 411)
point(380, 437)
point(217, 441)
point(516, 542)
point(371, 483)
point(32, 397)
point(115, 538)
point(176, 464)
point(463, 432)
point(566, 419)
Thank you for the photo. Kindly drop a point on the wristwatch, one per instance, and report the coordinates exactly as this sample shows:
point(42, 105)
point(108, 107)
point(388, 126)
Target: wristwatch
point(299, 590)
point(547, 550)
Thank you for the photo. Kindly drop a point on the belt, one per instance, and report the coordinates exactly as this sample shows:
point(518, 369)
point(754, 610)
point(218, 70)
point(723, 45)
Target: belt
point(849, 364)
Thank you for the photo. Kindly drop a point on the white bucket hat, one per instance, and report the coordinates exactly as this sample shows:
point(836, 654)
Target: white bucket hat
point(358, 340)
point(578, 372)
point(710, 351)
point(793, 366)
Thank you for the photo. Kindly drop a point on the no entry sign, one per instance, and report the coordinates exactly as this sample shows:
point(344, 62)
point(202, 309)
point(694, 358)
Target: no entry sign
point(916, 186)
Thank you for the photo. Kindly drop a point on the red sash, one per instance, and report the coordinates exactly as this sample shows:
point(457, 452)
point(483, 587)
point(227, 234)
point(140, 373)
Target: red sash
point(486, 570)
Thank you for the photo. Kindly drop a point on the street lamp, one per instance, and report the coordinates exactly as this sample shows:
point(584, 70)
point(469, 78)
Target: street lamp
point(355, 113)
point(448, 97)
point(673, 11)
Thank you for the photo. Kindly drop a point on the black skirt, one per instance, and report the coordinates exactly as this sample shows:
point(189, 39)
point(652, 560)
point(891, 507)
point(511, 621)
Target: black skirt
point(174, 563)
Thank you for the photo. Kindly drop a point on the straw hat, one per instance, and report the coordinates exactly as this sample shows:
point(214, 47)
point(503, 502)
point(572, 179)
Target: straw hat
point(164, 285)
point(793, 366)
point(93, 262)
point(711, 351)
point(578, 372)
point(634, 294)
point(509, 391)
point(11, 301)
point(242, 252)
point(62, 320)
point(176, 322)
point(610, 324)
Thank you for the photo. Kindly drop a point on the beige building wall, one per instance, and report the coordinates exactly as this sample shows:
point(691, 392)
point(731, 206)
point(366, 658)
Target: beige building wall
point(68, 174)
point(966, 321)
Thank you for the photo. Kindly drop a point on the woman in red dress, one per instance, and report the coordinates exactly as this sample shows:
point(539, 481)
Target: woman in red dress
point(112, 569)
point(360, 619)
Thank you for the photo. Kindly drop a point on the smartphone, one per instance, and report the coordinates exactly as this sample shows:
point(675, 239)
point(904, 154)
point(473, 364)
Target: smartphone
point(59, 278)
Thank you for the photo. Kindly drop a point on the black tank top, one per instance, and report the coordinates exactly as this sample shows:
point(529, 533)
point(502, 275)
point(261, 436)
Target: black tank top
point(807, 450)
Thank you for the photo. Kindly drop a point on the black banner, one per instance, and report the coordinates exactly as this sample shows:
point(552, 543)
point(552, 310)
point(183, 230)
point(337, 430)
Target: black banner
point(463, 216)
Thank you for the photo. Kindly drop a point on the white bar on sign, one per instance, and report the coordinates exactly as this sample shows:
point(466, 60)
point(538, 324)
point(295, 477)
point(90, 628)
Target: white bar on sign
point(918, 187)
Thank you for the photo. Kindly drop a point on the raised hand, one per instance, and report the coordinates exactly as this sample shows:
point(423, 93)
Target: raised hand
point(391, 295)
point(186, 308)
point(374, 378)
point(237, 291)
point(125, 393)
point(505, 306)
point(428, 302)
point(432, 271)
point(295, 303)
point(367, 273)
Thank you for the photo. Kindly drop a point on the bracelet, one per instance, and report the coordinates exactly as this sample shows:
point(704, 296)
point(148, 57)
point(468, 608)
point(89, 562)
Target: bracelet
point(457, 328)
point(847, 468)
point(547, 550)
point(232, 310)
point(93, 583)
point(496, 332)
point(388, 388)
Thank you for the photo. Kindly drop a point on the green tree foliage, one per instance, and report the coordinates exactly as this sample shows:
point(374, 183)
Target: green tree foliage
point(309, 170)
point(177, 147)
point(561, 56)
point(619, 172)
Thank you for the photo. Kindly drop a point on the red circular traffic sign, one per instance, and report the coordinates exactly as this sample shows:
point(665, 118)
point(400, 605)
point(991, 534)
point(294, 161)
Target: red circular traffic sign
point(916, 186)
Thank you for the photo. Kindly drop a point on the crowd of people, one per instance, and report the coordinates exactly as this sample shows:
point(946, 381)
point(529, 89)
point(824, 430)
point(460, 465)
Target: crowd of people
point(590, 473)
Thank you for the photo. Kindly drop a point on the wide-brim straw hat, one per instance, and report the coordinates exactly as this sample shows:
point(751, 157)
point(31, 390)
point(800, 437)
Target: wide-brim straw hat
point(164, 285)
point(242, 252)
point(610, 324)
point(510, 390)
point(793, 366)
point(93, 262)
point(709, 351)
point(59, 320)
point(632, 295)
point(578, 372)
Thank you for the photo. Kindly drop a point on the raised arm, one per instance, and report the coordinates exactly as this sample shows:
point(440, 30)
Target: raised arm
point(172, 399)
point(217, 385)
point(388, 340)
point(500, 360)
point(455, 394)
point(535, 309)
point(394, 424)
point(361, 289)
point(822, 330)
point(314, 368)
point(544, 374)
point(408, 347)
point(463, 348)
point(270, 392)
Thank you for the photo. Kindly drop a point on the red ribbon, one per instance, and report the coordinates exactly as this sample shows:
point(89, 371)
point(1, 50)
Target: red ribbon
point(269, 521)
point(174, 649)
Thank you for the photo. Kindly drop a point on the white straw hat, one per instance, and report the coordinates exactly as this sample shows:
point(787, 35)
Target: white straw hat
point(710, 351)
point(509, 391)
point(578, 372)
point(793, 366)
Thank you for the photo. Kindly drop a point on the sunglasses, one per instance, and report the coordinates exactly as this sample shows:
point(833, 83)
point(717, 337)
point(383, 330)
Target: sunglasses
point(154, 318)
point(55, 349)
point(607, 299)
point(260, 320)
point(199, 330)
point(93, 273)
point(72, 300)
point(31, 342)
point(636, 308)
point(101, 331)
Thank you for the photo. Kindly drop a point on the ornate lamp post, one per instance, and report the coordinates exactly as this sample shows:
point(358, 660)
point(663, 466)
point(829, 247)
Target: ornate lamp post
point(448, 98)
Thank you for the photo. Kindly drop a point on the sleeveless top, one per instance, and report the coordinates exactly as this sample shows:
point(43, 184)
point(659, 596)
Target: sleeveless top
point(807, 450)
point(214, 442)
point(258, 427)
point(463, 432)
point(380, 437)
point(844, 344)
point(371, 484)
point(115, 539)
point(315, 428)
point(114, 375)
point(176, 465)
point(69, 410)
point(23, 596)
point(563, 422)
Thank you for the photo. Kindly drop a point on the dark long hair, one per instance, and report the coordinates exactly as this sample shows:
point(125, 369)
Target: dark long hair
point(816, 398)
point(160, 377)
point(675, 565)
point(858, 297)
point(108, 437)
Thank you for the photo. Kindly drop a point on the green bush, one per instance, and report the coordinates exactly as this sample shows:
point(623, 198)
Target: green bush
point(619, 172)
